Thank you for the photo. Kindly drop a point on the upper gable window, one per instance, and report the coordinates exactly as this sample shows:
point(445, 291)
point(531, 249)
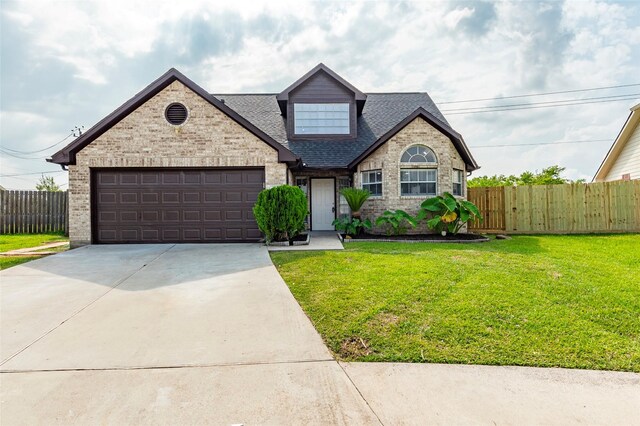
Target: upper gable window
point(321, 119)
point(419, 154)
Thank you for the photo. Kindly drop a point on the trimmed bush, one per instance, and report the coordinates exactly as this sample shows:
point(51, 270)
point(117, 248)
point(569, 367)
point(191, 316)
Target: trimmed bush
point(280, 212)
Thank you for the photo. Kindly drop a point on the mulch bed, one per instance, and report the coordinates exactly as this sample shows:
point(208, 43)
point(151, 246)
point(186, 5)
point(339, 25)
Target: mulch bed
point(433, 238)
point(300, 238)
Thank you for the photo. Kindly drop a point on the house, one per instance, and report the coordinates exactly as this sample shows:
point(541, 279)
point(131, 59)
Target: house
point(622, 162)
point(178, 164)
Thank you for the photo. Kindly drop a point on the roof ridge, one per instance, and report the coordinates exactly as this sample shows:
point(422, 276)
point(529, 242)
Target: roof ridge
point(274, 94)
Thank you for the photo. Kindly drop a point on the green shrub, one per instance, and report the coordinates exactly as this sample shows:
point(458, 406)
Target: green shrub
point(351, 227)
point(449, 213)
point(396, 222)
point(280, 212)
point(355, 198)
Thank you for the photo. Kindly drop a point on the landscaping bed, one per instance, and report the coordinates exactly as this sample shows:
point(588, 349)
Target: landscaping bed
point(428, 238)
point(546, 301)
point(298, 240)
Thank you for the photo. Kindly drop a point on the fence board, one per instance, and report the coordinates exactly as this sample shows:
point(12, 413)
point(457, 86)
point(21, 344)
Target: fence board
point(25, 212)
point(572, 208)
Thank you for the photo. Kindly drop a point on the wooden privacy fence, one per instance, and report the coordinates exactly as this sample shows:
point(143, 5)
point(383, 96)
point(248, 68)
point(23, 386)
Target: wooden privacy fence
point(32, 212)
point(559, 209)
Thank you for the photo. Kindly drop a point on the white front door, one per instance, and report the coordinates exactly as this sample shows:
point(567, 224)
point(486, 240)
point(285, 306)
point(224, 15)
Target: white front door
point(323, 206)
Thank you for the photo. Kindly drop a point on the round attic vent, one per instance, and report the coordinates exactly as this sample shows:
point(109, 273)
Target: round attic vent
point(176, 114)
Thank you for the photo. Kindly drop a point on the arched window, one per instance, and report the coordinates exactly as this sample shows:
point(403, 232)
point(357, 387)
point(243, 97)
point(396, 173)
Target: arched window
point(419, 154)
point(416, 181)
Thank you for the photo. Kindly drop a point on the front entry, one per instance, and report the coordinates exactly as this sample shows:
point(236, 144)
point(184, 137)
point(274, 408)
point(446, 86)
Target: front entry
point(323, 206)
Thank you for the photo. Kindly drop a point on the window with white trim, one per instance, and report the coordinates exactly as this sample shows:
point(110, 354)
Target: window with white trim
point(458, 178)
point(418, 182)
point(372, 182)
point(321, 119)
point(419, 154)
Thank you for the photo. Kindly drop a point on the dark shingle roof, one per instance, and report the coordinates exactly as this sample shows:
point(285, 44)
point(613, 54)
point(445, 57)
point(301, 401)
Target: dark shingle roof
point(382, 111)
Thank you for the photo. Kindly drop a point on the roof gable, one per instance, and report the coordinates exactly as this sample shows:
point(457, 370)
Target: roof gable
point(618, 145)
point(455, 137)
point(67, 154)
point(283, 97)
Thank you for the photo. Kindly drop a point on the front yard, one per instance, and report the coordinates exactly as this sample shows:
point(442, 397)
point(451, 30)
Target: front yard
point(551, 301)
point(18, 241)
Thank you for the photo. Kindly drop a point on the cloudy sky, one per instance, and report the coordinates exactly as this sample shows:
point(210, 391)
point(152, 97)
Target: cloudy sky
point(68, 63)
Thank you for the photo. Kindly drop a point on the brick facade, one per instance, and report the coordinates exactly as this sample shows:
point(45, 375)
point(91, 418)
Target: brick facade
point(208, 138)
point(387, 159)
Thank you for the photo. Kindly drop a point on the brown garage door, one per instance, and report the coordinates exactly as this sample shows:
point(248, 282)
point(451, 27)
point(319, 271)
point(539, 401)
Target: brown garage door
point(172, 206)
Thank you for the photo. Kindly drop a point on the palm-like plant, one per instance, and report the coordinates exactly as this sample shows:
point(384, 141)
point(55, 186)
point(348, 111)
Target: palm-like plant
point(355, 198)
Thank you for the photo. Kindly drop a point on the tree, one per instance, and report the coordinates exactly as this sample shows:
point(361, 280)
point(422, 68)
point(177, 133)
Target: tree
point(548, 176)
point(46, 183)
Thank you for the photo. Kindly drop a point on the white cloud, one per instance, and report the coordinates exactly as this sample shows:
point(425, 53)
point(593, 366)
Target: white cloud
point(82, 59)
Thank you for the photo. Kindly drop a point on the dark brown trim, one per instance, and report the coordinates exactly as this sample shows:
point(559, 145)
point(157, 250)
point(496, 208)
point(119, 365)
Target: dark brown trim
point(454, 136)
point(283, 97)
point(67, 155)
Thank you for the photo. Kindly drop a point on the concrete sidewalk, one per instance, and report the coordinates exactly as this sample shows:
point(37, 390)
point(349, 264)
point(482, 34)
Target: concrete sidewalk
point(443, 394)
point(320, 240)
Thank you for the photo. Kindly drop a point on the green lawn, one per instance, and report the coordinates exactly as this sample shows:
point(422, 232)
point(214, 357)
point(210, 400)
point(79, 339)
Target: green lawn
point(18, 241)
point(561, 301)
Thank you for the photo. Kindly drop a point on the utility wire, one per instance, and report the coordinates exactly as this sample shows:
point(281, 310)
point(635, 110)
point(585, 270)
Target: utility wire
point(550, 103)
point(541, 106)
point(10, 154)
point(541, 143)
point(540, 94)
point(39, 150)
point(34, 173)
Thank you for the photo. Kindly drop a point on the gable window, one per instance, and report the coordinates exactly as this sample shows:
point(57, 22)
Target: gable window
point(321, 119)
point(419, 154)
point(372, 182)
point(414, 182)
point(457, 182)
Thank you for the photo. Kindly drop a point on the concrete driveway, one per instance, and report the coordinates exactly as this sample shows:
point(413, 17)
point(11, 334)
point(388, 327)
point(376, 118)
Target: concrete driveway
point(164, 334)
point(210, 334)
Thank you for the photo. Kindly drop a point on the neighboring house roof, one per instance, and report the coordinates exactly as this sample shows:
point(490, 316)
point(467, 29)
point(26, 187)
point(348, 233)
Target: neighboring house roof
point(618, 145)
point(67, 154)
point(382, 113)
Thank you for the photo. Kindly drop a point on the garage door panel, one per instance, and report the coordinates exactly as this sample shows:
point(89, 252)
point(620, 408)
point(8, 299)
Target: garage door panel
point(149, 198)
point(108, 198)
point(129, 179)
point(150, 178)
point(212, 205)
point(169, 178)
point(171, 197)
point(192, 216)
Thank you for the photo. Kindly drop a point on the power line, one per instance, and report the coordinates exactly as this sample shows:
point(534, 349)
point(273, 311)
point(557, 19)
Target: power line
point(540, 94)
point(39, 150)
point(10, 154)
point(544, 102)
point(542, 143)
point(34, 173)
point(541, 106)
